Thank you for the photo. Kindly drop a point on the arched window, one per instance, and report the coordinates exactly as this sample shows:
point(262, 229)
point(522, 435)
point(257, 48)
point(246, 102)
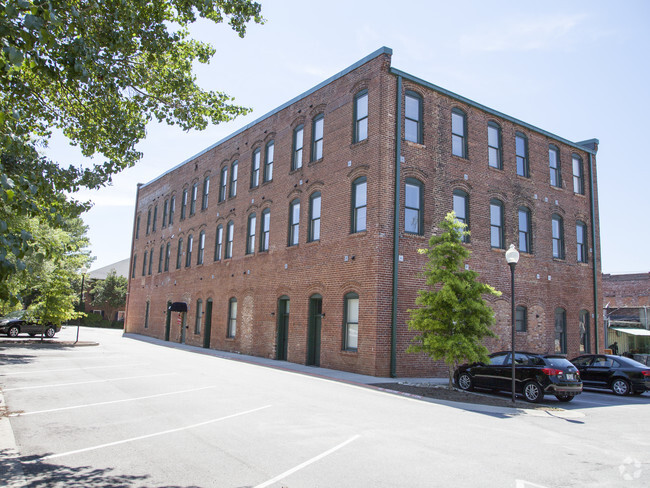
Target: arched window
point(554, 166)
point(359, 204)
point(250, 240)
point(317, 137)
point(578, 175)
point(413, 203)
point(521, 149)
point(172, 209)
point(521, 318)
point(525, 230)
point(179, 253)
point(199, 316)
point(461, 209)
point(234, 169)
point(188, 252)
point(195, 194)
point(584, 331)
point(168, 253)
point(314, 216)
point(230, 236)
point(560, 330)
point(161, 257)
point(268, 161)
point(351, 322)
point(413, 117)
point(206, 193)
point(581, 241)
point(144, 263)
point(494, 145)
point(294, 222)
point(360, 132)
point(232, 318)
point(296, 160)
point(557, 228)
point(497, 224)
point(223, 182)
point(199, 258)
point(255, 168)
point(218, 244)
point(265, 230)
point(458, 133)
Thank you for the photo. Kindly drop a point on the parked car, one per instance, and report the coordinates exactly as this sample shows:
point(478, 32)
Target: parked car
point(535, 375)
point(617, 373)
point(19, 322)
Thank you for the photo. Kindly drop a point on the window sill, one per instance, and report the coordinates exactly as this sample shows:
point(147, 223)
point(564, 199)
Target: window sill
point(359, 143)
point(350, 352)
point(418, 145)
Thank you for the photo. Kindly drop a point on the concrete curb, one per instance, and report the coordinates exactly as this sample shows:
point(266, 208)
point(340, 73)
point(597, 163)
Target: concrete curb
point(12, 474)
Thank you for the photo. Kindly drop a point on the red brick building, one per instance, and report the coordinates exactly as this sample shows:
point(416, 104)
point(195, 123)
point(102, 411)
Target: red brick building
point(296, 237)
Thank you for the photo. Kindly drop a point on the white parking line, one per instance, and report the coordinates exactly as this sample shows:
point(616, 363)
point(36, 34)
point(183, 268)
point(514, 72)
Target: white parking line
point(148, 436)
point(86, 382)
point(22, 414)
point(307, 463)
point(82, 368)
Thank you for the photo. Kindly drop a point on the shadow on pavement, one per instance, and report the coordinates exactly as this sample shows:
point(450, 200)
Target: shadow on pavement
point(31, 472)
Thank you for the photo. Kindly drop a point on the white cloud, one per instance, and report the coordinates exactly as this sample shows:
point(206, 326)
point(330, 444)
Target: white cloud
point(519, 34)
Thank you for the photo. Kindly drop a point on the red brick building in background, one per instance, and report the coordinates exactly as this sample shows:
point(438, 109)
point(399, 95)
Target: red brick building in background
point(296, 237)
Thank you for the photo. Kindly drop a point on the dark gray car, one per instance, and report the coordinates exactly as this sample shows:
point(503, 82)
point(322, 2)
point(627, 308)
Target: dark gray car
point(19, 322)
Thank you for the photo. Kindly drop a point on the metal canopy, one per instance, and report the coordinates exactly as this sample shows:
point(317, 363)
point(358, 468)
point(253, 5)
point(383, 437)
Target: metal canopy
point(636, 332)
point(178, 307)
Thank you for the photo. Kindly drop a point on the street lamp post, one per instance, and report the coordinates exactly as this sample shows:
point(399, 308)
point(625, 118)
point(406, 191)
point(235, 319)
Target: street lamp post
point(512, 258)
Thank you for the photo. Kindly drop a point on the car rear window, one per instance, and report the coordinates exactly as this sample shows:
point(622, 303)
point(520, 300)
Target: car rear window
point(631, 362)
point(558, 362)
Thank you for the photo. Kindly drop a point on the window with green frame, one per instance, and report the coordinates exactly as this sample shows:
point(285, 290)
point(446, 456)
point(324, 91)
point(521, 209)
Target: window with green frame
point(314, 216)
point(317, 137)
point(413, 114)
point(494, 145)
point(413, 202)
point(497, 224)
point(458, 133)
point(557, 231)
point(359, 204)
point(360, 132)
point(296, 159)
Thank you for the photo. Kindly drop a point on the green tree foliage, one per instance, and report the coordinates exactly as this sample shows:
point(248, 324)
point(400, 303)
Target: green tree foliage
point(453, 318)
point(98, 71)
point(48, 285)
point(110, 292)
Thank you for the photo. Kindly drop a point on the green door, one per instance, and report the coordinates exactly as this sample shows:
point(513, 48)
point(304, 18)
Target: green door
point(168, 322)
point(208, 324)
point(283, 329)
point(314, 330)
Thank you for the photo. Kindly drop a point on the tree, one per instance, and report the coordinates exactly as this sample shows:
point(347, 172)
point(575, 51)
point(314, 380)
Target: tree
point(98, 71)
point(48, 284)
point(110, 292)
point(453, 318)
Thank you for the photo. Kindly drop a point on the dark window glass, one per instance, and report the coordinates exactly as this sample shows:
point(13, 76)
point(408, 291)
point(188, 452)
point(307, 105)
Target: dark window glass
point(317, 138)
point(155, 218)
point(413, 117)
point(360, 116)
point(161, 256)
point(232, 318)
point(218, 243)
point(255, 169)
point(179, 253)
point(184, 205)
point(521, 147)
point(557, 225)
point(560, 330)
point(150, 261)
point(148, 221)
point(223, 183)
point(351, 325)
point(497, 230)
point(199, 315)
point(172, 209)
point(521, 318)
point(314, 216)
point(578, 175)
point(494, 145)
point(188, 252)
point(458, 133)
point(230, 235)
point(137, 227)
point(296, 160)
point(413, 206)
point(234, 169)
point(265, 230)
point(554, 166)
point(199, 258)
point(168, 254)
point(294, 222)
point(195, 193)
point(250, 241)
point(525, 230)
point(583, 326)
point(581, 241)
point(144, 263)
point(165, 213)
point(135, 261)
point(268, 161)
point(206, 193)
point(359, 204)
point(461, 209)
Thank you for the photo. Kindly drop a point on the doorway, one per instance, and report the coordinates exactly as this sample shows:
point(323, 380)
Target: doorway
point(283, 329)
point(208, 324)
point(168, 322)
point(314, 330)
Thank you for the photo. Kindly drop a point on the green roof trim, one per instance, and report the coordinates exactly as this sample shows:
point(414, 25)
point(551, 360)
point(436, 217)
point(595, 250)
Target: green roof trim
point(361, 62)
point(587, 146)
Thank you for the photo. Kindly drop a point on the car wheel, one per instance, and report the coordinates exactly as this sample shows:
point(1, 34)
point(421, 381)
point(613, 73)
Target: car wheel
point(13, 331)
point(465, 382)
point(564, 398)
point(49, 332)
point(533, 392)
point(620, 387)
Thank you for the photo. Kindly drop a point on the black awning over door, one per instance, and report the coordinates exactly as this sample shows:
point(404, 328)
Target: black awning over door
point(178, 307)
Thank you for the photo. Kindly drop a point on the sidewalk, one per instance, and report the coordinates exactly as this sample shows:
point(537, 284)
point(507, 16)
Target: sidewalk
point(333, 374)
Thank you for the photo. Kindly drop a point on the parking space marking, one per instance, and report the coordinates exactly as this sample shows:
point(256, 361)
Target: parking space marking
point(307, 463)
point(83, 368)
point(86, 382)
point(22, 414)
point(148, 436)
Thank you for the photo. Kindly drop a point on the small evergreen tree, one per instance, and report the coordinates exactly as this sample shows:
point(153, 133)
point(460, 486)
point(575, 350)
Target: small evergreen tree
point(453, 318)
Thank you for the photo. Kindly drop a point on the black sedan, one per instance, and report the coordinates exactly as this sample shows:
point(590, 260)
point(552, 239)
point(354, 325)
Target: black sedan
point(617, 373)
point(18, 322)
point(535, 375)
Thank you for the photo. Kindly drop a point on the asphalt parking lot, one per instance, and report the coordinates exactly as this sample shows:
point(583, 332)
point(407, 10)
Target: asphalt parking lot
point(128, 413)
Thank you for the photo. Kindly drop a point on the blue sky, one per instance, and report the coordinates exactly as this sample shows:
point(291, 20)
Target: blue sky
point(577, 69)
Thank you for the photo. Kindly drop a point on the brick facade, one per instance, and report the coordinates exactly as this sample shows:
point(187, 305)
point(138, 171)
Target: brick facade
point(626, 290)
point(343, 263)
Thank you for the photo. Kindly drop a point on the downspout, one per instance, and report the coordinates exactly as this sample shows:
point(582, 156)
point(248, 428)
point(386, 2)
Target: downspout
point(130, 271)
point(595, 254)
point(398, 163)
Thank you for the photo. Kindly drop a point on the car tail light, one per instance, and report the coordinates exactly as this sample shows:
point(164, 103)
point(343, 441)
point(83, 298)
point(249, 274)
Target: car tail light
point(552, 371)
point(646, 372)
